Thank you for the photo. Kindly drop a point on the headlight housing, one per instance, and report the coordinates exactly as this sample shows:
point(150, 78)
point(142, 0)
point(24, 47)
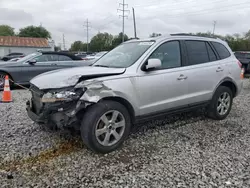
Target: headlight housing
point(70, 95)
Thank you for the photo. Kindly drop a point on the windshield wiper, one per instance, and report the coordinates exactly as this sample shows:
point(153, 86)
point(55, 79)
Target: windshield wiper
point(101, 66)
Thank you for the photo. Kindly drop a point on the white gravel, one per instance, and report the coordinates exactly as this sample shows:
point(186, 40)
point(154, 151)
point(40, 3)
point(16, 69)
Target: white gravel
point(188, 150)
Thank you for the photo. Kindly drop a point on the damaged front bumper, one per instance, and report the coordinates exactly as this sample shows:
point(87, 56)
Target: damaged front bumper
point(58, 114)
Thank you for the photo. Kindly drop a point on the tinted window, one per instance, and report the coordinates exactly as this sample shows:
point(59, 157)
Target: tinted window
point(212, 56)
point(46, 57)
point(64, 58)
point(197, 52)
point(221, 49)
point(169, 54)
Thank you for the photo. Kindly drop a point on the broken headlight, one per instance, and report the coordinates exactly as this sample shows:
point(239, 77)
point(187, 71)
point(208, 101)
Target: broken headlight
point(51, 97)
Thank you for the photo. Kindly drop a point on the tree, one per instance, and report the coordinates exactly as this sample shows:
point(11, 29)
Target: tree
point(33, 31)
point(77, 46)
point(155, 35)
point(101, 42)
point(6, 30)
point(57, 48)
point(117, 40)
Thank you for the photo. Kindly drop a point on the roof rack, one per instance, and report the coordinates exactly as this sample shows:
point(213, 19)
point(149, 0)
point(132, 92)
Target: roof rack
point(187, 34)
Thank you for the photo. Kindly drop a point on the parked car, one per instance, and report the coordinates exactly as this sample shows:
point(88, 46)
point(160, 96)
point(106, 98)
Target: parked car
point(244, 58)
point(12, 55)
point(24, 69)
point(95, 56)
point(137, 81)
point(15, 59)
point(82, 56)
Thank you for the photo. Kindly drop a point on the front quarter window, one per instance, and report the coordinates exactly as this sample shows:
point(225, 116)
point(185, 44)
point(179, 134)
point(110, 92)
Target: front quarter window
point(124, 55)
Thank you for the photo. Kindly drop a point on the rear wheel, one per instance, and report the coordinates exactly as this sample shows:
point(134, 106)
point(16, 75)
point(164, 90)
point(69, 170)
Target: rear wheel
point(221, 103)
point(105, 126)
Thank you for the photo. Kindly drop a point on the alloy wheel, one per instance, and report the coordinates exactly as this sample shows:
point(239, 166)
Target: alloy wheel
point(223, 104)
point(110, 128)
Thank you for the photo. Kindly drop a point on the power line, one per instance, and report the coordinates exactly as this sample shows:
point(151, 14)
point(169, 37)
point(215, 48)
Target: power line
point(153, 3)
point(204, 11)
point(87, 27)
point(171, 8)
point(123, 16)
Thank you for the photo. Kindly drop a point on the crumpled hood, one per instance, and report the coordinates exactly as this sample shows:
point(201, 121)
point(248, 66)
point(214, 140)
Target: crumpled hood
point(70, 77)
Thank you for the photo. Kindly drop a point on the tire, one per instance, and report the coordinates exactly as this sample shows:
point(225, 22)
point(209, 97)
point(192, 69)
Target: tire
point(2, 80)
point(217, 111)
point(94, 119)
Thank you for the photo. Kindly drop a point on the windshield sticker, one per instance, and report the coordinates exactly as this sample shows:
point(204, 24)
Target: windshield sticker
point(146, 43)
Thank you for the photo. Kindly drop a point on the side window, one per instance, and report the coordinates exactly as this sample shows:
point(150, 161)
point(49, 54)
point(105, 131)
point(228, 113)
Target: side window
point(64, 58)
point(197, 52)
point(46, 57)
point(169, 54)
point(211, 54)
point(222, 50)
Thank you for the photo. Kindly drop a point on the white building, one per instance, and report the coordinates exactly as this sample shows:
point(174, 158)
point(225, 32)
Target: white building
point(26, 45)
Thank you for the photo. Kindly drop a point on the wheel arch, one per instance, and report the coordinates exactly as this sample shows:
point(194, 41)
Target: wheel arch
point(228, 82)
point(6, 72)
point(125, 103)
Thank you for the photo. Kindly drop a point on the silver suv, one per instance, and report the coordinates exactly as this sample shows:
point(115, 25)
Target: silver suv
point(138, 80)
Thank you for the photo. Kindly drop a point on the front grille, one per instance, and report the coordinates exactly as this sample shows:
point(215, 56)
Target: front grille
point(37, 94)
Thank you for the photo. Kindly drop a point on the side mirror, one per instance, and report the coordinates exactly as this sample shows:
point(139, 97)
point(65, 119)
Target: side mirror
point(32, 61)
point(152, 64)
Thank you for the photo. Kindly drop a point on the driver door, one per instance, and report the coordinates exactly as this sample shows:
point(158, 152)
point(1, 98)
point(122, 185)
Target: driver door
point(44, 63)
point(165, 88)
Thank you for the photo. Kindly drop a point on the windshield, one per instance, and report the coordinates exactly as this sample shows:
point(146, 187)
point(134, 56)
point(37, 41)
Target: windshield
point(124, 55)
point(30, 56)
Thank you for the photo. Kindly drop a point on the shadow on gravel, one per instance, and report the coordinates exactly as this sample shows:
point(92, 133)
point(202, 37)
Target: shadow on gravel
point(170, 121)
point(43, 157)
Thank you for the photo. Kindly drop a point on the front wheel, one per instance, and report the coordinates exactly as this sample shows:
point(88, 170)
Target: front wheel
point(221, 103)
point(105, 126)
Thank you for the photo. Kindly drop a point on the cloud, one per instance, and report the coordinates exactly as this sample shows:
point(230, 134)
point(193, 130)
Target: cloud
point(69, 16)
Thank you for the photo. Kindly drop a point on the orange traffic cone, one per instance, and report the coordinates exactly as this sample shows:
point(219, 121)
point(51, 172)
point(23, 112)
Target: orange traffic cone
point(6, 92)
point(242, 73)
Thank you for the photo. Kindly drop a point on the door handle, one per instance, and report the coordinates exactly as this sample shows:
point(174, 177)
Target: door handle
point(219, 69)
point(53, 64)
point(182, 77)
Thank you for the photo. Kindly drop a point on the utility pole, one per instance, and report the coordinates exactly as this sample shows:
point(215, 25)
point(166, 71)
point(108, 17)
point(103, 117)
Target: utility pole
point(87, 27)
point(214, 26)
point(64, 48)
point(134, 22)
point(123, 16)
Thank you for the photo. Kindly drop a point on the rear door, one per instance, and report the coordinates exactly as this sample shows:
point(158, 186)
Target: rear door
point(204, 71)
point(224, 56)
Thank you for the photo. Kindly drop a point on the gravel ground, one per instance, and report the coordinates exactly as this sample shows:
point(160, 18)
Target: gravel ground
point(187, 150)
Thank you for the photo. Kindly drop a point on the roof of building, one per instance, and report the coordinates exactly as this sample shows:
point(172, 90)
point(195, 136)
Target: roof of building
point(24, 41)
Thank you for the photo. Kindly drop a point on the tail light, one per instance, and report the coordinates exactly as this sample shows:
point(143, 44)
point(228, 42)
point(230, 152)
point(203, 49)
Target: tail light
point(239, 63)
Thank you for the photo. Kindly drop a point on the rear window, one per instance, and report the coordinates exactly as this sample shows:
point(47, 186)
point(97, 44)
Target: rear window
point(197, 52)
point(221, 50)
point(242, 55)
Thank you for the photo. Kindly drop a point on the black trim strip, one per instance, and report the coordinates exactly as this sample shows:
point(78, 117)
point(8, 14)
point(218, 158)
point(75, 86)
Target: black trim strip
point(171, 111)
